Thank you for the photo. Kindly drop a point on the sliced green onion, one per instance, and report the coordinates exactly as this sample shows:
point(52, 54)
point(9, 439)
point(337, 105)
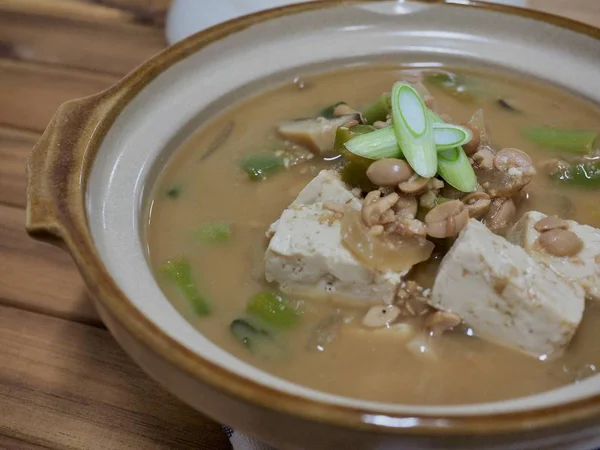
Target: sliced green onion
point(179, 272)
point(214, 233)
point(384, 144)
point(376, 145)
point(454, 166)
point(574, 141)
point(379, 110)
point(344, 134)
point(583, 174)
point(260, 165)
point(449, 136)
point(413, 129)
point(273, 310)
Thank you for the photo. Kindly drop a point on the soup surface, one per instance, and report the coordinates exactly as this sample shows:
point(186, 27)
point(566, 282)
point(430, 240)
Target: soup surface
point(329, 348)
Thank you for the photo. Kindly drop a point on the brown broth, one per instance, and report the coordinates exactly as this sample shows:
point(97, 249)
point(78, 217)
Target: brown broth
point(358, 363)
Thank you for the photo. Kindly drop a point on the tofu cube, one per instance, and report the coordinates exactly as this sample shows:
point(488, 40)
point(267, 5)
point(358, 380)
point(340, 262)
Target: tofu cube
point(505, 295)
point(582, 269)
point(306, 256)
point(327, 186)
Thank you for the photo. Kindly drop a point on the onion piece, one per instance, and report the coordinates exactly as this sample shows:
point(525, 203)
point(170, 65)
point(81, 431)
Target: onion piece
point(385, 252)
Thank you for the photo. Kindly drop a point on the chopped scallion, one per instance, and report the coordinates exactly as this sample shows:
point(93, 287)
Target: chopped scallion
point(344, 134)
point(454, 166)
point(375, 145)
point(413, 129)
point(273, 310)
point(260, 165)
point(179, 272)
point(215, 233)
point(582, 174)
point(573, 141)
point(449, 136)
point(464, 88)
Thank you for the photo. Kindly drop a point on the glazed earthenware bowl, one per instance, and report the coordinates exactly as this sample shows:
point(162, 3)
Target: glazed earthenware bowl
point(93, 168)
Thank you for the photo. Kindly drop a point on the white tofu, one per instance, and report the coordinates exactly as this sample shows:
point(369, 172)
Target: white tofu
point(327, 186)
point(582, 269)
point(505, 295)
point(306, 257)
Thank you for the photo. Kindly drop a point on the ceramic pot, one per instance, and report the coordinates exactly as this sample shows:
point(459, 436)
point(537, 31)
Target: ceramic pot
point(91, 172)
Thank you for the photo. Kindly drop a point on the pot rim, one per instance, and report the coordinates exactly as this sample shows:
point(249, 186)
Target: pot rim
point(58, 170)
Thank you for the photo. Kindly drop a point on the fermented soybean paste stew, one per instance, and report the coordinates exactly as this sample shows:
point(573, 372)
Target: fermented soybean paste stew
point(422, 238)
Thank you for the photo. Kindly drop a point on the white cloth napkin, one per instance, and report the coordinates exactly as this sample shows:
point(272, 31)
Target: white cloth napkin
point(187, 17)
point(240, 441)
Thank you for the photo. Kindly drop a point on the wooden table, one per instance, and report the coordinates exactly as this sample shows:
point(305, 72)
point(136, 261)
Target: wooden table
point(64, 382)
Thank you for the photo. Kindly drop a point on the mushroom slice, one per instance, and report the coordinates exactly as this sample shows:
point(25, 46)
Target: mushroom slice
point(316, 134)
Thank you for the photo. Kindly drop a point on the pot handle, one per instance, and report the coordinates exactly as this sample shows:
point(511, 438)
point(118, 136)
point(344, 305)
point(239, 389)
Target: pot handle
point(57, 165)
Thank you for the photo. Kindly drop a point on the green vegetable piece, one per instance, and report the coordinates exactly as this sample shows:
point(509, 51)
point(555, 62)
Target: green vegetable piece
point(573, 141)
point(328, 112)
point(215, 233)
point(447, 136)
point(259, 341)
point(246, 333)
point(584, 174)
point(179, 273)
point(273, 310)
point(174, 191)
point(454, 166)
point(379, 110)
point(384, 144)
point(355, 174)
point(344, 134)
point(260, 165)
point(413, 129)
point(463, 88)
point(376, 145)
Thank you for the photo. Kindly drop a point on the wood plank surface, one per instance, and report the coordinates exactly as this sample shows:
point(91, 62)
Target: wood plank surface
point(109, 46)
point(32, 92)
point(64, 382)
point(14, 148)
point(68, 385)
point(89, 11)
point(37, 276)
point(10, 443)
